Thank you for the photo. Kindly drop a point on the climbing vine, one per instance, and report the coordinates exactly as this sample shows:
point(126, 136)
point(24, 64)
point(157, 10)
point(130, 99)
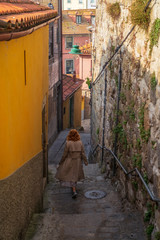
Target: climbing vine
point(137, 160)
point(145, 134)
point(153, 81)
point(154, 34)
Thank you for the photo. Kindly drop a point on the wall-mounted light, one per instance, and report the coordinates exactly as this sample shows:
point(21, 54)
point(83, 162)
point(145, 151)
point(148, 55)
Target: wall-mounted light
point(75, 50)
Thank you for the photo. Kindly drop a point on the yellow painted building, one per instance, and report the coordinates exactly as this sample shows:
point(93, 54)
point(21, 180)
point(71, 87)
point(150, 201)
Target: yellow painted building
point(72, 97)
point(24, 89)
point(24, 113)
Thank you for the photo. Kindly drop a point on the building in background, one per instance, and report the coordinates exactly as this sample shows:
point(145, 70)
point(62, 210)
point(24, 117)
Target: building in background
point(91, 4)
point(55, 121)
point(72, 95)
point(76, 26)
point(78, 4)
point(85, 72)
point(53, 4)
point(24, 61)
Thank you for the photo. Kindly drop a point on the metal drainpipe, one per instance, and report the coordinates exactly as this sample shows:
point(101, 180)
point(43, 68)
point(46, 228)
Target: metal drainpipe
point(104, 114)
point(117, 116)
point(60, 62)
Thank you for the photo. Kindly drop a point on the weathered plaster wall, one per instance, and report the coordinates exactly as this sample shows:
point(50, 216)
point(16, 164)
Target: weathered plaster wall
point(139, 115)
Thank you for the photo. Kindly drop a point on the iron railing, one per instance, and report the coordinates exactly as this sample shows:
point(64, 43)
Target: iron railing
point(153, 198)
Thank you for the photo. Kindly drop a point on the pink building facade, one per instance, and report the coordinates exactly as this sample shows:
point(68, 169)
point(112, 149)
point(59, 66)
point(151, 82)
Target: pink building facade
point(71, 62)
point(76, 30)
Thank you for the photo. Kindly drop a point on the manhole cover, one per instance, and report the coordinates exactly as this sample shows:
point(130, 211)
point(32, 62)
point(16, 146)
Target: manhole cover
point(95, 194)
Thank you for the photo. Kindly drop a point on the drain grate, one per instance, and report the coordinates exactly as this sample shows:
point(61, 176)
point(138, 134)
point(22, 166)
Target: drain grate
point(95, 194)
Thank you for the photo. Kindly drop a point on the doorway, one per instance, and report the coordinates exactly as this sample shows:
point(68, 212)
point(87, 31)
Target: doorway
point(71, 107)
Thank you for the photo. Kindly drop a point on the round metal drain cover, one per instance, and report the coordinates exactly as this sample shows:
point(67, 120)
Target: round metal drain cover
point(95, 194)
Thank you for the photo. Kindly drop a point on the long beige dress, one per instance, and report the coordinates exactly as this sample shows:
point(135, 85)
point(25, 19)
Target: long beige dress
point(70, 168)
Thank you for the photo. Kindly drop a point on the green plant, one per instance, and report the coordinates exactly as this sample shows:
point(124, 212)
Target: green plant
point(149, 230)
point(145, 177)
point(148, 213)
point(88, 82)
point(157, 236)
point(116, 80)
point(137, 161)
point(97, 131)
point(154, 34)
point(129, 84)
point(135, 185)
point(138, 144)
point(145, 134)
point(114, 10)
point(153, 81)
point(112, 48)
point(120, 113)
point(131, 113)
point(139, 16)
point(147, 216)
point(125, 122)
point(121, 135)
point(123, 97)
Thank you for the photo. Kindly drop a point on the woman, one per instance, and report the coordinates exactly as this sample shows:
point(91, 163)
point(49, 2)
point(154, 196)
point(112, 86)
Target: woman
point(70, 168)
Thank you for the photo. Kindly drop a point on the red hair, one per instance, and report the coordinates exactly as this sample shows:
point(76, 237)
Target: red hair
point(73, 135)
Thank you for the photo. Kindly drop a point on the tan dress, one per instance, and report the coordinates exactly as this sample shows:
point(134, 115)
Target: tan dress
point(70, 168)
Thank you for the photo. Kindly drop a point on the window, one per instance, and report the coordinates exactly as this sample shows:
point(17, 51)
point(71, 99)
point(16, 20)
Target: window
point(68, 1)
point(69, 42)
point(69, 66)
point(78, 19)
point(92, 1)
point(51, 41)
point(93, 20)
point(80, 1)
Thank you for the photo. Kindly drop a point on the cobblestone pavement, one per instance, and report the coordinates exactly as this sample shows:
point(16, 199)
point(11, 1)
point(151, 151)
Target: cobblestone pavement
point(64, 218)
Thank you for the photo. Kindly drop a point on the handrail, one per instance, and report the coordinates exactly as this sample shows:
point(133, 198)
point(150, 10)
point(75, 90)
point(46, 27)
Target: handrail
point(130, 172)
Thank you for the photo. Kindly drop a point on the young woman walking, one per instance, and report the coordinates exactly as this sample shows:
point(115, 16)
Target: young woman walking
point(70, 169)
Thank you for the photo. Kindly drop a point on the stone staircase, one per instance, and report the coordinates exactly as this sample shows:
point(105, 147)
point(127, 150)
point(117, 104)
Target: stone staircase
point(64, 218)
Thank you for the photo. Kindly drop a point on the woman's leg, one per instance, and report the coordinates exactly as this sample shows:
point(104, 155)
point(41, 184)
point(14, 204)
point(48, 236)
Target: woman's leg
point(74, 189)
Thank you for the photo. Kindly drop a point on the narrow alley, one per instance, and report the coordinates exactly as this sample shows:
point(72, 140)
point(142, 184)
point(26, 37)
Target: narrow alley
point(64, 218)
point(90, 66)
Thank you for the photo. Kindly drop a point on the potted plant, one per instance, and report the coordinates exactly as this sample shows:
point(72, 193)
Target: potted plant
point(88, 82)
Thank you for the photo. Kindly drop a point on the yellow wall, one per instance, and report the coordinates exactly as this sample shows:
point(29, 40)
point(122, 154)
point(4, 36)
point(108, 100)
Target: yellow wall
point(20, 104)
point(77, 110)
point(77, 107)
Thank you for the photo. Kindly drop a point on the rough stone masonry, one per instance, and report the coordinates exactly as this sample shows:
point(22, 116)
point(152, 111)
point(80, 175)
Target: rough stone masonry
point(138, 127)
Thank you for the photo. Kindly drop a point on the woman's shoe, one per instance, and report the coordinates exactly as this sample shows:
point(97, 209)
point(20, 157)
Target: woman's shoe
point(74, 195)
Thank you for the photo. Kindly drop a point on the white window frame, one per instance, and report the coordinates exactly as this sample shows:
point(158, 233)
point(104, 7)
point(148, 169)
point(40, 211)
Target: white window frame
point(79, 19)
point(66, 42)
point(93, 22)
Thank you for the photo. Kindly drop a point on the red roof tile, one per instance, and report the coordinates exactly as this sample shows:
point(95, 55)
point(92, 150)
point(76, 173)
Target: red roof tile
point(18, 15)
point(70, 85)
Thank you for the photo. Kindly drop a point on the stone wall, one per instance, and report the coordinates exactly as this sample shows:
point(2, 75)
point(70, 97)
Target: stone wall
point(139, 115)
point(22, 196)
